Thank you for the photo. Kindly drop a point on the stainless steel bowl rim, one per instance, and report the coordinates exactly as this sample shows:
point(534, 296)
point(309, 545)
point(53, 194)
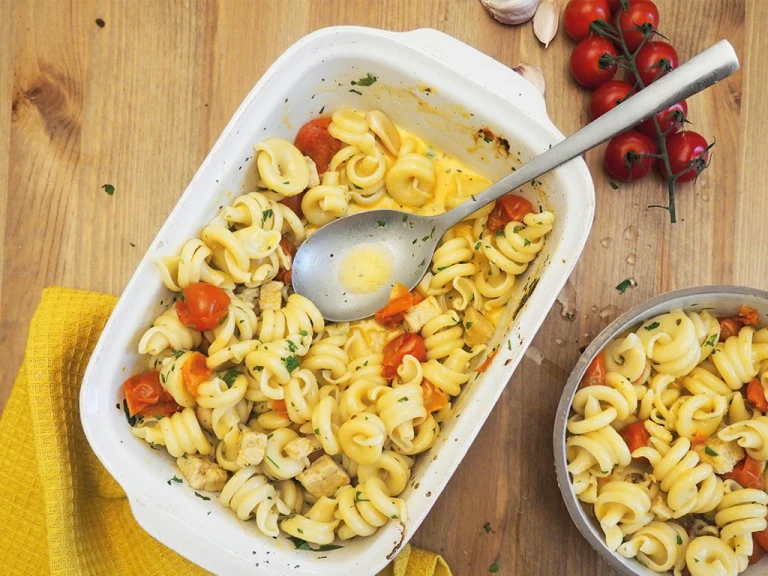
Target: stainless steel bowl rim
point(632, 317)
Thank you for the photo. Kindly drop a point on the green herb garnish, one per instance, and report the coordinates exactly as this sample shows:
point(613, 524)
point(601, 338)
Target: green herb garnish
point(109, 189)
point(622, 286)
point(367, 81)
point(175, 479)
point(201, 496)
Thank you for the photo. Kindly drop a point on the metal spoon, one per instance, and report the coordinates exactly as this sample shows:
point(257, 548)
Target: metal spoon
point(411, 240)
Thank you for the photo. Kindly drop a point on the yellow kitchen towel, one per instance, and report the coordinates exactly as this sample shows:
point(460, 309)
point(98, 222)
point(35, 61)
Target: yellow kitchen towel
point(61, 512)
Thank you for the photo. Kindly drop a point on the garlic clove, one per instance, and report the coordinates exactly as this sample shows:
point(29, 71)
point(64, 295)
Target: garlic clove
point(511, 11)
point(545, 21)
point(533, 74)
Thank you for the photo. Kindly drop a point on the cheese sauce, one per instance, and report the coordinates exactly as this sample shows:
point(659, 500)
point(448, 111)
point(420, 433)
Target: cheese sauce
point(365, 268)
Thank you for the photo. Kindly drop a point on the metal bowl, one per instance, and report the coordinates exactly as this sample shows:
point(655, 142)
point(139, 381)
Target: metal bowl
point(719, 300)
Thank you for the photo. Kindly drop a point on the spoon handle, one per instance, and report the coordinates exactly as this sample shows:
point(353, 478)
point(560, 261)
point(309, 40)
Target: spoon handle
point(710, 66)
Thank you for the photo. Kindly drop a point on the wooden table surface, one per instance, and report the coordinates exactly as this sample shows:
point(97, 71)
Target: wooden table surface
point(138, 101)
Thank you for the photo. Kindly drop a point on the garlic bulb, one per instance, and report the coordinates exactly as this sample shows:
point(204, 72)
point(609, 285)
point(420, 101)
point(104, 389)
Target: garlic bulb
point(511, 11)
point(545, 21)
point(533, 74)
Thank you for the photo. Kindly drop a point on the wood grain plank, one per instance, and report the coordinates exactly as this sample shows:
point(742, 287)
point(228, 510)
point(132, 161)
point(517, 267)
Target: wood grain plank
point(7, 25)
point(139, 102)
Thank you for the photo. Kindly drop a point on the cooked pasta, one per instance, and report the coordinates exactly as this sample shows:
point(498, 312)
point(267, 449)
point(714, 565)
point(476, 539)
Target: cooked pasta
point(310, 428)
point(668, 441)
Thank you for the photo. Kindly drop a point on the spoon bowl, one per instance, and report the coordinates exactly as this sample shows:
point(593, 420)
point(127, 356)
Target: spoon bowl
point(387, 238)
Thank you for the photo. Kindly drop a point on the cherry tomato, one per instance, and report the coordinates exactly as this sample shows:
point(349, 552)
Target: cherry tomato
point(434, 398)
point(314, 140)
point(595, 374)
point(635, 435)
point(639, 17)
point(202, 306)
point(579, 14)
point(142, 390)
point(400, 300)
point(748, 473)
point(688, 153)
point(144, 395)
point(283, 275)
point(626, 156)
point(761, 538)
point(402, 346)
point(607, 97)
point(593, 61)
point(756, 395)
point(670, 120)
point(294, 203)
point(757, 555)
point(749, 316)
point(509, 208)
point(194, 372)
point(654, 60)
point(279, 407)
point(614, 5)
point(729, 327)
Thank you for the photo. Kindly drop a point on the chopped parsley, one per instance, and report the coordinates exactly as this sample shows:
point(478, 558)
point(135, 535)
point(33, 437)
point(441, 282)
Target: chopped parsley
point(622, 286)
point(109, 189)
point(679, 540)
point(358, 499)
point(300, 531)
point(367, 81)
point(405, 218)
point(469, 325)
point(487, 527)
point(613, 185)
point(201, 496)
point(178, 353)
point(403, 399)
point(291, 363)
point(131, 419)
point(230, 377)
point(304, 545)
point(291, 346)
point(381, 223)
point(317, 431)
point(304, 333)
point(711, 341)
point(710, 452)
point(356, 92)
point(526, 242)
point(493, 568)
point(394, 516)
point(652, 326)
point(477, 245)
point(267, 214)
point(175, 479)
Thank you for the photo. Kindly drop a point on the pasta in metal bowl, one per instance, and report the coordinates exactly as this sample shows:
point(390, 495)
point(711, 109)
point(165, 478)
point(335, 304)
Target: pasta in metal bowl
point(667, 442)
point(313, 428)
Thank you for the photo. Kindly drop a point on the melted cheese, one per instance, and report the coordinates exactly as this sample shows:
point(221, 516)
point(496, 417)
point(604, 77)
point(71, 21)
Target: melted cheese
point(365, 268)
point(454, 182)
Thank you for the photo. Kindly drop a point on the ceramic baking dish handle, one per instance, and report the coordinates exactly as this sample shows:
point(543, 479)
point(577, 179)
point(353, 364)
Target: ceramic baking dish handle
point(177, 535)
point(490, 73)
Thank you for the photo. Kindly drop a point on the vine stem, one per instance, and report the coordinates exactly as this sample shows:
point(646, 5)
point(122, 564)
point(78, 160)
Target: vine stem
point(631, 66)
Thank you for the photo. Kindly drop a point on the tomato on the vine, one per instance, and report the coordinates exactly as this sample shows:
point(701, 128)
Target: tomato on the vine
point(579, 14)
point(607, 97)
point(688, 153)
point(628, 156)
point(640, 17)
point(614, 4)
point(593, 61)
point(670, 120)
point(654, 60)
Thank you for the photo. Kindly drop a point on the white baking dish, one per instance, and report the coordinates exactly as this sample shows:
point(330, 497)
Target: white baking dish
point(720, 301)
point(467, 90)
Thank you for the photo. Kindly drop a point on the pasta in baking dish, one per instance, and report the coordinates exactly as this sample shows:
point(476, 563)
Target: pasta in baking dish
point(668, 441)
point(312, 428)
